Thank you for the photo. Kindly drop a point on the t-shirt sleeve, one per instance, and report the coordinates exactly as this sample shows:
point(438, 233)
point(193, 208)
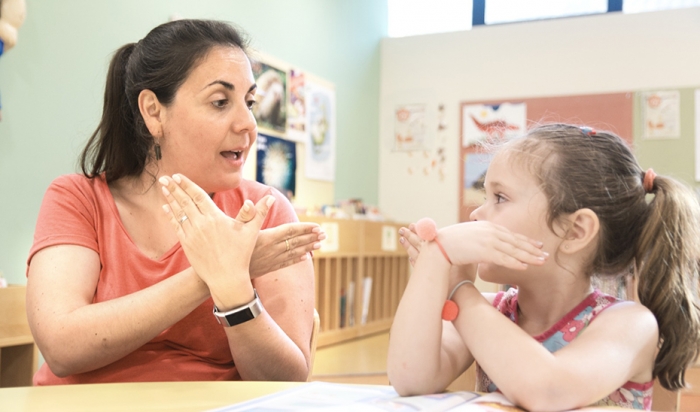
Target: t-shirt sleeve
point(67, 216)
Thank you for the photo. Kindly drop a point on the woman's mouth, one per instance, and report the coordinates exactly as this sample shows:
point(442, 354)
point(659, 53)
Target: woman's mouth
point(232, 155)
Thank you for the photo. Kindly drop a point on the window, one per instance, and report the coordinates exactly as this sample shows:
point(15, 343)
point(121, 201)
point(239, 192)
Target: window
point(414, 17)
point(508, 11)
point(638, 6)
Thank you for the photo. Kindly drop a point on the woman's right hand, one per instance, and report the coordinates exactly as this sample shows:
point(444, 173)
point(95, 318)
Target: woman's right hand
point(484, 242)
point(283, 246)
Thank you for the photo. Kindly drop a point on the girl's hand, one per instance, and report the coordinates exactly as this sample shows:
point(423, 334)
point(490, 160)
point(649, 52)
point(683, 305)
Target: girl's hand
point(283, 246)
point(216, 245)
point(411, 242)
point(485, 242)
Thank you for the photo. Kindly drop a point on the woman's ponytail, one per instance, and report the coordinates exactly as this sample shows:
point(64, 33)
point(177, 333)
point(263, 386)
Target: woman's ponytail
point(667, 257)
point(108, 150)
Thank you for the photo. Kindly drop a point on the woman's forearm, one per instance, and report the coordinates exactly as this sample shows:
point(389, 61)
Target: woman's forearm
point(98, 334)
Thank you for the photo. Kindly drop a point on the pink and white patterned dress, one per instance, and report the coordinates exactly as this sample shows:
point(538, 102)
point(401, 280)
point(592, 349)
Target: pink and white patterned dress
point(630, 395)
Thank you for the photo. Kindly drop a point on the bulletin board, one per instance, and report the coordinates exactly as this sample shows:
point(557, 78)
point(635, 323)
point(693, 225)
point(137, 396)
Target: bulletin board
point(613, 112)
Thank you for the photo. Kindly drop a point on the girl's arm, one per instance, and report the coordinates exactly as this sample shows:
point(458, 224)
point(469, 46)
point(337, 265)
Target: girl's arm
point(425, 353)
point(425, 356)
point(75, 335)
point(620, 345)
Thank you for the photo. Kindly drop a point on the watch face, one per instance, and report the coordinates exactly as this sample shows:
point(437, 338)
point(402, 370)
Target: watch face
point(239, 317)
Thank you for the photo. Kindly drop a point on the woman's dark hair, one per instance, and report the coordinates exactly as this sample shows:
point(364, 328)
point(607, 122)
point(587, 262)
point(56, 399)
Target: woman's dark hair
point(160, 62)
point(578, 168)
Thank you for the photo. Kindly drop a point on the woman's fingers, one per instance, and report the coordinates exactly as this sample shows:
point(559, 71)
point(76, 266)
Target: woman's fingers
point(247, 212)
point(186, 200)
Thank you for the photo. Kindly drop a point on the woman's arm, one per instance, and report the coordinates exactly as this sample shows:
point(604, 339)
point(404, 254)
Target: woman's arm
point(76, 335)
point(276, 344)
point(219, 248)
point(620, 345)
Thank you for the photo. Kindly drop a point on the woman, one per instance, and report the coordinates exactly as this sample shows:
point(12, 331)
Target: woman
point(118, 290)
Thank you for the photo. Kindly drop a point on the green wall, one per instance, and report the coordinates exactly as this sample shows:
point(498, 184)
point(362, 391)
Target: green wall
point(672, 157)
point(52, 83)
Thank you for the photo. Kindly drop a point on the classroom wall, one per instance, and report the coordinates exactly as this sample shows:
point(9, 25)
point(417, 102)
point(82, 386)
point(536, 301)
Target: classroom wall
point(585, 55)
point(52, 84)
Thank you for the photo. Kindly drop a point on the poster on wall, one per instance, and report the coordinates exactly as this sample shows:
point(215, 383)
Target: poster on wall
point(475, 166)
point(410, 127)
point(270, 109)
point(484, 123)
point(277, 164)
point(297, 129)
point(661, 114)
point(697, 135)
point(320, 149)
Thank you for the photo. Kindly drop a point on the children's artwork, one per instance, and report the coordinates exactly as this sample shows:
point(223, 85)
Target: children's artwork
point(410, 127)
point(277, 164)
point(297, 129)
point(492, 123)
point(431, 161)
point(320, 150)
point(697, 135)
point(475, 166)
point(270, 109)
point(661, 113)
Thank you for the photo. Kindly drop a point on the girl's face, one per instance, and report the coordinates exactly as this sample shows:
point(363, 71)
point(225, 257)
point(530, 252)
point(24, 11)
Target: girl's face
point(514, 200)
point(208, 129)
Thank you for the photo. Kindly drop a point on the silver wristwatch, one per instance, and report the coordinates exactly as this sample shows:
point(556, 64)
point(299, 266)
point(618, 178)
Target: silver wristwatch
point(240, 314)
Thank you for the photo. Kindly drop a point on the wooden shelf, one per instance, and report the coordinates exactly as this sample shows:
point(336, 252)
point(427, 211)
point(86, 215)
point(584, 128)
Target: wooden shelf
point(18, 353)
point(354, 251)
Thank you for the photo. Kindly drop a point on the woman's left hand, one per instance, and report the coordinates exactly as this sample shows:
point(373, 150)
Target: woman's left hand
point(217, 246)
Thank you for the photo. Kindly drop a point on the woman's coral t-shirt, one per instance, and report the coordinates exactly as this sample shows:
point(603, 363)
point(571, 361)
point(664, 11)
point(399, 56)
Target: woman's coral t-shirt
point(81, 211)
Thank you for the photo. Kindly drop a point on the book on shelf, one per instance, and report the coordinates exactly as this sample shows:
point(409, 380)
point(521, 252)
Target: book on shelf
point(366, 294)
point(350, 303)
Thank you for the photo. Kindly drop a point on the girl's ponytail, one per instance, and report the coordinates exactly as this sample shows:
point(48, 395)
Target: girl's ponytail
point(107, 149)
point(667, 258)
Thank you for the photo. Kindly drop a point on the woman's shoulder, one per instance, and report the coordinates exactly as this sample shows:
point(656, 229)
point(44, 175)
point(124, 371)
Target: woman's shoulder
point(77, 185)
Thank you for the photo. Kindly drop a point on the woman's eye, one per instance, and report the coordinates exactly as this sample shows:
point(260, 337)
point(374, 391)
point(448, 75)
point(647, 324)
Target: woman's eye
point(220, 103)
point(250, 104)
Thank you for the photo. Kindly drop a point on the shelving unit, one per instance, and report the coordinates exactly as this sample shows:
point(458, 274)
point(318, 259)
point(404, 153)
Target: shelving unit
point(355, 250)
point(18, 353)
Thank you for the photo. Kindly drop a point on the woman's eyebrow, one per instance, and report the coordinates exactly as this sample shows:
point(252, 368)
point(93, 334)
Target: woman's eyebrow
point(227, 85)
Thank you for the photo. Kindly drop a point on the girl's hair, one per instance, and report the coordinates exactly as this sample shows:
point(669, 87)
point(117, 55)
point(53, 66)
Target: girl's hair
point(160, 62)
point(579, 168)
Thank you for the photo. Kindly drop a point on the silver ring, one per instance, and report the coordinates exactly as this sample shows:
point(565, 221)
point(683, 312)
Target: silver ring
point(183, 218)
point(286, 242)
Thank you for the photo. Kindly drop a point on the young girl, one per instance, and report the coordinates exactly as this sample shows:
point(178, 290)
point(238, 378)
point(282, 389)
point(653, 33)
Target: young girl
point(563, 203)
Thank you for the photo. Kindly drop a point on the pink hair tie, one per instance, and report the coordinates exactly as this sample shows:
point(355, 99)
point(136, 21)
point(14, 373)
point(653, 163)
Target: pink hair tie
point(648, 181)
point(427, 230)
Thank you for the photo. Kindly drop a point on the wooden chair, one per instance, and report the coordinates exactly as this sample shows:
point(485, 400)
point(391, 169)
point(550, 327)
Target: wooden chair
point(314, 338)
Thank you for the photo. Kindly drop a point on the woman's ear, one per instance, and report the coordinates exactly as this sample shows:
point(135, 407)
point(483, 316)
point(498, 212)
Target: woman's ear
point(152, 112)
point(583, 231)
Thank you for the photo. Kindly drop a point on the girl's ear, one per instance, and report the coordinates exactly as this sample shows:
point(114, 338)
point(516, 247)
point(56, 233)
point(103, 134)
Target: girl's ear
point(152, 112)
point(582, 232)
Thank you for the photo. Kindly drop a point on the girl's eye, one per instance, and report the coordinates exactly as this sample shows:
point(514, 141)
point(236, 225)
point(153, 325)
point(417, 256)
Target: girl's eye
point(220, 103)
point(500, 198)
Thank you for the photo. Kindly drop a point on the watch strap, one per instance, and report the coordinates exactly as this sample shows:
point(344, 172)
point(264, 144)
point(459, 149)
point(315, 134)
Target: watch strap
point(240, 314)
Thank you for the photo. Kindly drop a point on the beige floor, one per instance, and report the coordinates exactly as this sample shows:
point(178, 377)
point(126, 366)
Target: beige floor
point(357, 361)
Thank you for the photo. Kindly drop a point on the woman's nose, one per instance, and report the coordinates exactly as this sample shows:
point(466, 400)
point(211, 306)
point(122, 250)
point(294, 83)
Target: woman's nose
point(243, 120)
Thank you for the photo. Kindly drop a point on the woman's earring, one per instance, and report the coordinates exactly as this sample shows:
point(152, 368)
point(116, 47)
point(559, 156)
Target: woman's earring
point(159, 155)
